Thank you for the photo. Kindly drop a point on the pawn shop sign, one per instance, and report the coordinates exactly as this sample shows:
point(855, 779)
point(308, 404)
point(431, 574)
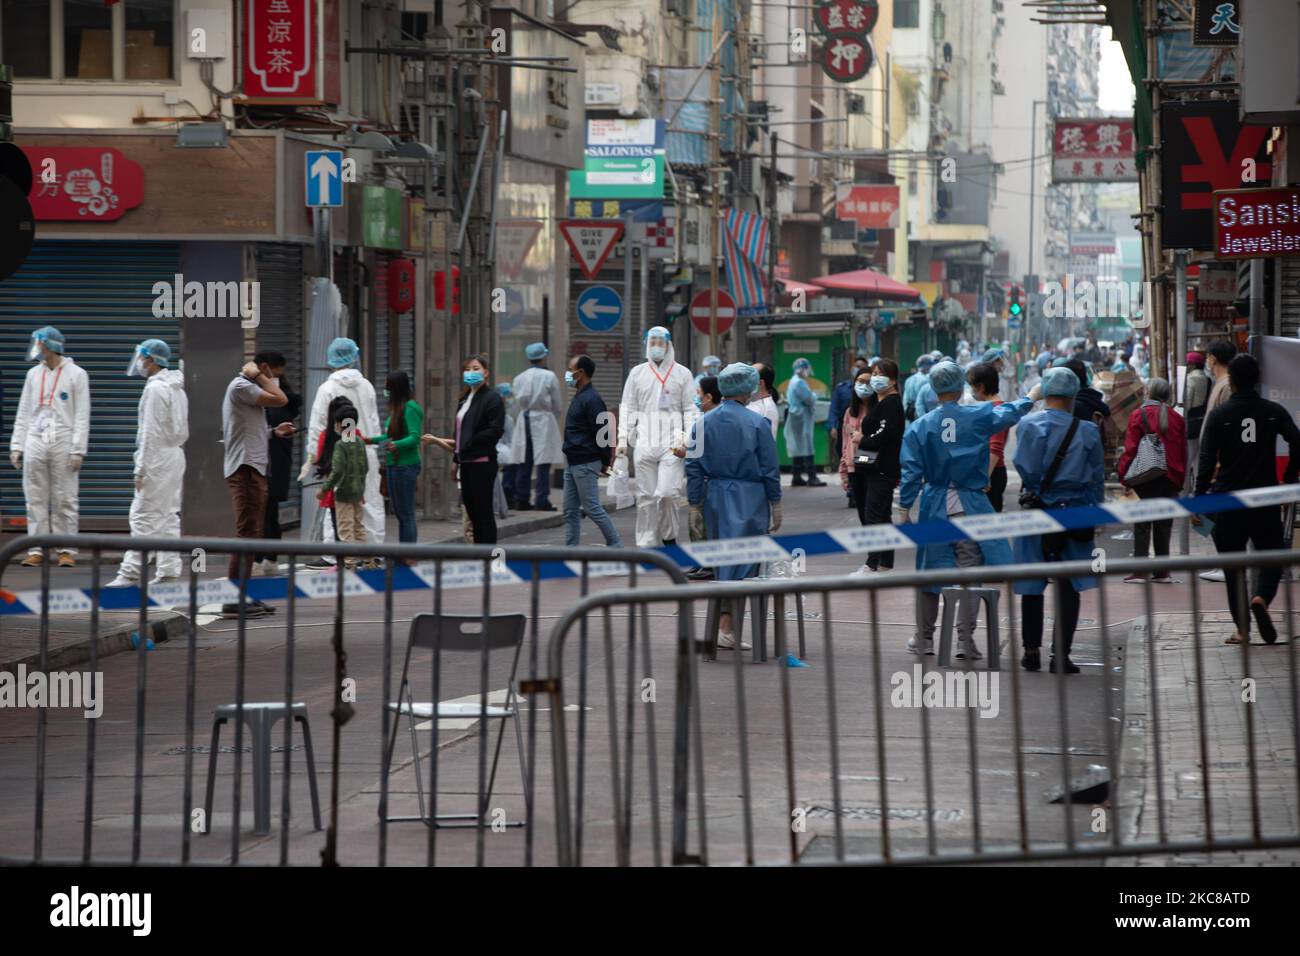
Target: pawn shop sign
point(700, 311)
point(846, 57)
point(591, 241)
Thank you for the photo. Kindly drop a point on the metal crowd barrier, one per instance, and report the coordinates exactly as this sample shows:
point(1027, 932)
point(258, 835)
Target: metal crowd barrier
point(762, 792)
point(93, 793)
point(656, 755)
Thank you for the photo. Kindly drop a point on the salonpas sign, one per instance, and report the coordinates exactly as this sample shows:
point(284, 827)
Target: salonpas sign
point(623, 159)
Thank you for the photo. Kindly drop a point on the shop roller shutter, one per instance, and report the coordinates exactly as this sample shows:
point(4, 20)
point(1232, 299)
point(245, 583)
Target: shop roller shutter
point(100, 296)
point(279, 270)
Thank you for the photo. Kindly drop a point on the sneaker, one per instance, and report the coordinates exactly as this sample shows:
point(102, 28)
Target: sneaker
point(815, 482)
point(267, 568)
point(32, 561)
point(796, 481)
point(1215, 575)
point(914, 647)
point(67, 561)
point(544, 507)
point(726, 642)
point(1163, 579)
point(967, 651)
point(862, 572)
point(319, 564)
point(1032, 660)
point(1136, 579)
point(700, 574)
point(122, 581)
point(252, 609)
point(163, 579)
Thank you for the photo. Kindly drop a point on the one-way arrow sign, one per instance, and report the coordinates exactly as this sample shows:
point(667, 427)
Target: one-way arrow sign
point(324, 177)
point(591, 241)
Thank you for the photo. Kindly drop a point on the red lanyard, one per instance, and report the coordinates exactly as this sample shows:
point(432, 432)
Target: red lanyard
point(55, 388)
point(663, 381)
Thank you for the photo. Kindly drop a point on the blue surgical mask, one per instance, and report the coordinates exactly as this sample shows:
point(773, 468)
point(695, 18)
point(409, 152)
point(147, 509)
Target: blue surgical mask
point(879, 383)
point(472, 379)
point(569, 380)
point(699, 402)
point(657, 353)
point(861, 389)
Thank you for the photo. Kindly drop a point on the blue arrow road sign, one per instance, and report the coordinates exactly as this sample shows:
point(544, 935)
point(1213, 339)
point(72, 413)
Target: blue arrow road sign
point(324, 177)
point(600, 308)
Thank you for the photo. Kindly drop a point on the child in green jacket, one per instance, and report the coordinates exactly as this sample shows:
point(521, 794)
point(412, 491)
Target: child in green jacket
point(347, 479)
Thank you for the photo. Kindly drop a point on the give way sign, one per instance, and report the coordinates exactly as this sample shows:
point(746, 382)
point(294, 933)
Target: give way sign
point(591, 241)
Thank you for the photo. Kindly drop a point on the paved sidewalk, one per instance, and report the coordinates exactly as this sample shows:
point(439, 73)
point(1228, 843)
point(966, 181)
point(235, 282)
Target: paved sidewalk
point(1176, 705)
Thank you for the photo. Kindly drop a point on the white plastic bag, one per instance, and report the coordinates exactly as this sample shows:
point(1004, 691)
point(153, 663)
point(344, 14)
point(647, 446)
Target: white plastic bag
point(619, 486)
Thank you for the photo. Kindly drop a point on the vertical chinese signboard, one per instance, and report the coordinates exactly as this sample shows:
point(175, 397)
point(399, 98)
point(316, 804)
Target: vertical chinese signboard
point(846, 52)
point(280, 49)
point(1093, 151)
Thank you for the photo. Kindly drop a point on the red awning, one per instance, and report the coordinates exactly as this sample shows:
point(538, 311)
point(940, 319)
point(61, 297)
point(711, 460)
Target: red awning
point(807, 288)
point(868, 282)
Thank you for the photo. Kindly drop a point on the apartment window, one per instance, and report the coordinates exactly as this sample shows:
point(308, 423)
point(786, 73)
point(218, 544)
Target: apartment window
point(907, 13)
point(88, 40)
point(26, 36)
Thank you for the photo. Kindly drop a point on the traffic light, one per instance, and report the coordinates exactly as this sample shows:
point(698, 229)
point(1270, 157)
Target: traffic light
point(17, 224)
point(1014, 310)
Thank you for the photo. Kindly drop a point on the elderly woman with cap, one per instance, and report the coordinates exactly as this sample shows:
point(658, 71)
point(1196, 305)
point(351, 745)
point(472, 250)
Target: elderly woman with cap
point(733, 482)
point(945, 462)
point(1078, 479)
point(536, 441)
point(801, 406)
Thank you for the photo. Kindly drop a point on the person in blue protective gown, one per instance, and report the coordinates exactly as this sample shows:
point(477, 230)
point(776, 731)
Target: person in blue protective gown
point(912, 387)
point(802, 405)
point(945, 462)
point(1080, 480)
point(733, 482)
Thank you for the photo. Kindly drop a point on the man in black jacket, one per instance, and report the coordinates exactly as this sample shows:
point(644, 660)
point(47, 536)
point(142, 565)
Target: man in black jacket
point(1238, 451)
point(587, 454)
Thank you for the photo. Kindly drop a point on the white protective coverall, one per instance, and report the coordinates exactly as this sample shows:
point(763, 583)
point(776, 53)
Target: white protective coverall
point(163, 429)
point(51, 426)
point(654, 417)
point(350, 382)
point(539, 400)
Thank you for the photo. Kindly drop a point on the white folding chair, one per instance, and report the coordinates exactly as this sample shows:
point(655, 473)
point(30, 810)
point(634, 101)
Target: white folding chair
point(460, 634)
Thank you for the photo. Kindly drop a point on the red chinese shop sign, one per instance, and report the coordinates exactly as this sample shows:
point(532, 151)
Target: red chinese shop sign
point(279, 49)
point(871, 207)
point(83, 183)
point(1257, 223)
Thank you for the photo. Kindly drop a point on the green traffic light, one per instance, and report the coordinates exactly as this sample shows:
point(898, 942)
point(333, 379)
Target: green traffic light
point(1015, 308)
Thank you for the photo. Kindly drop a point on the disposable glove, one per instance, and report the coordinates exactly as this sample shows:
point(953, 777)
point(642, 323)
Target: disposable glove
point(776, 517)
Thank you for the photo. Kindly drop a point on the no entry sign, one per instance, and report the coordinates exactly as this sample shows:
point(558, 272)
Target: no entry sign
point(700, 311)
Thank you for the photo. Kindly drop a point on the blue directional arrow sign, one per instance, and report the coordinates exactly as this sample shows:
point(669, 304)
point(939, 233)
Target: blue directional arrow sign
point(324, 177)
point(600, 308)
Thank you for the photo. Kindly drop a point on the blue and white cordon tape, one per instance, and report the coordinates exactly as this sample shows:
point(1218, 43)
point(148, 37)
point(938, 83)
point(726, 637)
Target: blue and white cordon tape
point(469, 574)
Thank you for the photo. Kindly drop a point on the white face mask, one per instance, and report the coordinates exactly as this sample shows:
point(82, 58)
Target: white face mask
point(657, 353)
point(879, 383)
point(861, 389)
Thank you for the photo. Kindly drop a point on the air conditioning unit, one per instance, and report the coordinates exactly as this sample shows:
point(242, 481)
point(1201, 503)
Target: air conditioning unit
point(856, 104)
point(757, 49)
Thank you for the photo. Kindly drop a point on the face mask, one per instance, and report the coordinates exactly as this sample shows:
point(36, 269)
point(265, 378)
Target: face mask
point(569, 380)
point(657, 353)
point(879, 383)
point(699, 402)
point(472, 379)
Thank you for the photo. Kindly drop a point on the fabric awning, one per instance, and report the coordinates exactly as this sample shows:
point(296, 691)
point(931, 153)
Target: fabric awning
point(868, 282)
point(807, 288)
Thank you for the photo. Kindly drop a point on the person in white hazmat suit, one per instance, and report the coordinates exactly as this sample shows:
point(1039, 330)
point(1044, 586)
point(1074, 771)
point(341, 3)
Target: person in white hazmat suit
point(162, 428)
point(654, 417)
point(343, 356)
point(536, 444)
point(48, 444)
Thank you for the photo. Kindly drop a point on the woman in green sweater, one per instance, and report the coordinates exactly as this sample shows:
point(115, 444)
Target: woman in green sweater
point(401, 441)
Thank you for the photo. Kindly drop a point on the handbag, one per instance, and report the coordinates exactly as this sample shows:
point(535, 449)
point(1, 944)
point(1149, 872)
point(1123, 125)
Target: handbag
point(1149, 462)
point(1055, 541)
